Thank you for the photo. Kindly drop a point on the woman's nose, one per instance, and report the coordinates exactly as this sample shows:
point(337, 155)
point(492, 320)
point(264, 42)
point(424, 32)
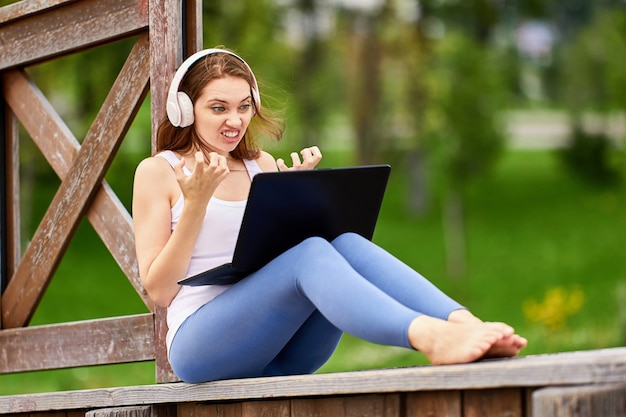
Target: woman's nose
point(234, 119)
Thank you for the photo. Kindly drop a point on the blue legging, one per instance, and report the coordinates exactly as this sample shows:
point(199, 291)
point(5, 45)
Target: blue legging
point(288, 317)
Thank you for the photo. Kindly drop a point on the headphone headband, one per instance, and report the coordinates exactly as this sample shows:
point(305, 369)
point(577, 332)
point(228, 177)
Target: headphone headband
point(179, 105)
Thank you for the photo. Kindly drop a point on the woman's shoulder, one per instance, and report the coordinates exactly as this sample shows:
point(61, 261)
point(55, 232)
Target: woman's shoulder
point(266, 162)
point(154, 170)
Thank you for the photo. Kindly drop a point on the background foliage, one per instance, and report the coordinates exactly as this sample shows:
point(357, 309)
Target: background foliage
point(522, 227)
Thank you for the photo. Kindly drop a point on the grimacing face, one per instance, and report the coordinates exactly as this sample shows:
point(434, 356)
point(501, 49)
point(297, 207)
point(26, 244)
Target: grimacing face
point(222, 113)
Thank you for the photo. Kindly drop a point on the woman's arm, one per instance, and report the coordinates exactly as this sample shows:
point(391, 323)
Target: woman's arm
point(163, 256)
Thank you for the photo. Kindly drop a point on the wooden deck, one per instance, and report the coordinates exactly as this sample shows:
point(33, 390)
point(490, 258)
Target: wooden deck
point(537, 386)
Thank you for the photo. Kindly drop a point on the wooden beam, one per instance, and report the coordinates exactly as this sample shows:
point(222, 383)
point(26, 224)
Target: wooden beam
point(22, 9)
point(580, 401)
point(107, 214)
point(92, 342)
point(434, 403)
point(493, 402)
point(571, 368)
point(166, 47)
point(79, 187)
point(53, 28)
point(175, 32)
point(193, 27)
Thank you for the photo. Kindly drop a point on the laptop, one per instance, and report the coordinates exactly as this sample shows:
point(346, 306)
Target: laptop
point(285, 208)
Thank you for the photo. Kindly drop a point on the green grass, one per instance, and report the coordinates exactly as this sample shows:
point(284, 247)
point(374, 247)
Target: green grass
point(530, 228)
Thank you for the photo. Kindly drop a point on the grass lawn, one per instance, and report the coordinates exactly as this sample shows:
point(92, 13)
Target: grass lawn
point(544, 253)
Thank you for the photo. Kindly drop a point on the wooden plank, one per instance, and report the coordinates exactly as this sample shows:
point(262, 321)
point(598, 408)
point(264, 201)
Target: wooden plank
point(165, 410)
point(135, 411)
point(166, 53)
point(361, 405)
point(331, 406)
point(493, 402)
point(193, 26)
point(270, 408)
point(12, 184)
point(107, 214)
point(210, 410)
point(79, 187)
point(348, 406)
point(582, 401)
point(374, 405)
point(68, 27)
point(166, 47)
point(5, 132)
point(164, 372)
point(434, 403)
point(570, 368)
point(94, 342)
point(9, 195)
point(528, 395)
point(24, 8)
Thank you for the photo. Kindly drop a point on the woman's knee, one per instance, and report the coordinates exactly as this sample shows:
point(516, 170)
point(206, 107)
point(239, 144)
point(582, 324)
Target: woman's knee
point(347, 238)
point(312, 252)
point(313, 246)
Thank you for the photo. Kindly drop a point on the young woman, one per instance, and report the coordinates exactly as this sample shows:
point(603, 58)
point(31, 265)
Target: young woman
point(286, 318)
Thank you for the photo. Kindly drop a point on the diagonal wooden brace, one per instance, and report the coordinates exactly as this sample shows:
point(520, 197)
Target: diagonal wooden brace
point(78, 189)
point(107, 214)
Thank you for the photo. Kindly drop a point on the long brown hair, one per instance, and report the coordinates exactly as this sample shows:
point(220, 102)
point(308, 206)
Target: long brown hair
point(214, 66)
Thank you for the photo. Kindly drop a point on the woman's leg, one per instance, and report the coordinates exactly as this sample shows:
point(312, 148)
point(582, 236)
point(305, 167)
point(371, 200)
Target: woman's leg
point(309, 349)
point(243, 330)
point(394, 277)
point(469, 335)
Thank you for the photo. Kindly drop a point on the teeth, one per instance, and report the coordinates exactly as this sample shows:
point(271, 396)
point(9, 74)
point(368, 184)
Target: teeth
point(230, 134)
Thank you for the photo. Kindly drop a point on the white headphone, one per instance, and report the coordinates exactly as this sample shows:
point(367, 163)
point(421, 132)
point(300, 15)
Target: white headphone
point(179, 105)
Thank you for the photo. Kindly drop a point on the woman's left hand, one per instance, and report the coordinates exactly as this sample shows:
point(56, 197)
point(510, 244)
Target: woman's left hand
point(310, 158)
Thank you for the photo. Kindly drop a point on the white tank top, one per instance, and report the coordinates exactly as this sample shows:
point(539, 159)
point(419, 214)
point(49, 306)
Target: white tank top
point(215, 246)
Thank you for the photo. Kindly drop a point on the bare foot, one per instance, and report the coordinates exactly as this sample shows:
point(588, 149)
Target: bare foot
point(505, 347)
point(448, 342)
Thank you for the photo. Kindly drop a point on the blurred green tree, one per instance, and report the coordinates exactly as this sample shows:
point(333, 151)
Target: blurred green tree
point(461, 129)
point(597, 53)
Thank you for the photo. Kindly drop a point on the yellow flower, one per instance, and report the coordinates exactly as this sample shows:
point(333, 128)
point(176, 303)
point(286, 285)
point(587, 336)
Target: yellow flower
point(558, 304)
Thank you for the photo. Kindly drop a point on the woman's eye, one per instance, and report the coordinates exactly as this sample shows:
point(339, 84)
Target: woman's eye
point(245, 107)
point(218, 109)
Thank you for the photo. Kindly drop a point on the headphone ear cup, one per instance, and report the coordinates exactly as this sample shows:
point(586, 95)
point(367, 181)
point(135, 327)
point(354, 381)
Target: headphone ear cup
point(186, 109)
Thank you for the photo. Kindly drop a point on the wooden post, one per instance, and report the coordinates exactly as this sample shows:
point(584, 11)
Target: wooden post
point(175, 32)
point(3, 199)
point(10, 248)
point(607, 400)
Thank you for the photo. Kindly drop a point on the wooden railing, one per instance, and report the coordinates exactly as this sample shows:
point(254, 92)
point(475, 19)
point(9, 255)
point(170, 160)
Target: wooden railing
point(35, 31)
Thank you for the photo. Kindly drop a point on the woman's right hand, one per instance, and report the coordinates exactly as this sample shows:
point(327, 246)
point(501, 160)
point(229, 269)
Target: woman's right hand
point(205, 177)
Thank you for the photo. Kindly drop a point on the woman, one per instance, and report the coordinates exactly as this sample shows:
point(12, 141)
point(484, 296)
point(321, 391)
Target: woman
point(286, 318)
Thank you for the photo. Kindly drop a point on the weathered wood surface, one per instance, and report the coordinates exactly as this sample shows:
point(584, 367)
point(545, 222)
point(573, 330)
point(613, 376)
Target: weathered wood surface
point(434, 403)
point(71, 26)
point(79, 187)
point(572, 368)
point(23, 9)
point(139, 411)
point(10, 197)
point(107, 214)
point(93, 342)
point(175, 33)
point(490, 403)
point(602, 400)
